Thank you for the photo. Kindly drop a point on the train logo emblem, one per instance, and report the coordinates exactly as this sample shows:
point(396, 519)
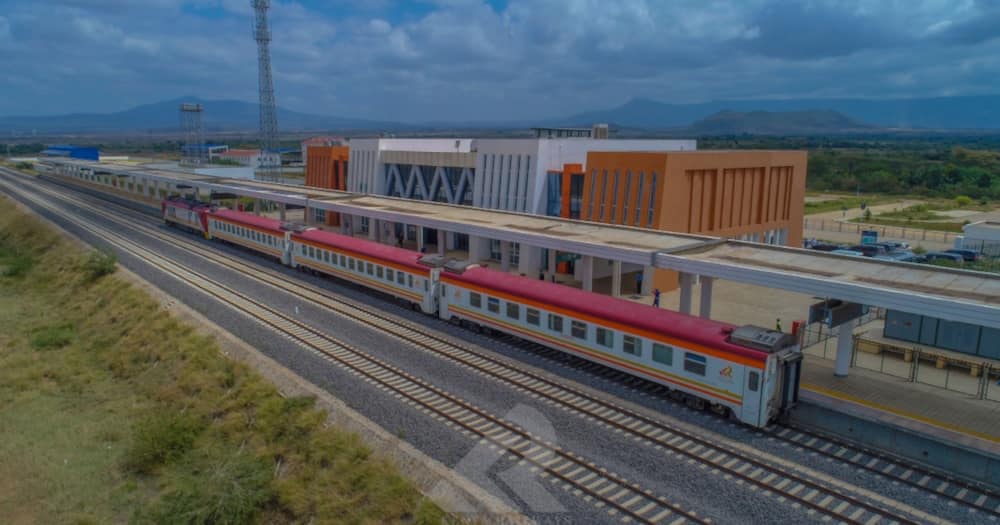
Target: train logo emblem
point(726, 373)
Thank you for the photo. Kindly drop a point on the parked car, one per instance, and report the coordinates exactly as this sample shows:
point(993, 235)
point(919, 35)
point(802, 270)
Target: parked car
point(967, 255)
point(944, 256)
point(825, 247)
point(900, 256)
point(896, 245)
point(869, 250)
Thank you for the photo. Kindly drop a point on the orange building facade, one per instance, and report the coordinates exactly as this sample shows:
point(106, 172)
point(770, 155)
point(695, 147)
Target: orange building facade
point(326, 167)
point(748, 195)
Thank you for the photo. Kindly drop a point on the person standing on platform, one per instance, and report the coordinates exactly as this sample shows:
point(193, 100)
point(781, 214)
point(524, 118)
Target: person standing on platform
point(777, 324)
point(638, 283)
point(656, 297)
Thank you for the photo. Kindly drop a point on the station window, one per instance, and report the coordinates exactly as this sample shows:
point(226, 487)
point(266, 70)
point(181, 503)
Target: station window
point(555, 323)
point(390, 274)
point(513, 310)
point(663, 354)
point(533, 317)
point(694, 363)
point(475, 300)
point(632, 345)
point(754, 381)
point(605, 337)
point(493, 304)
point(378, 272)
point(578, 329)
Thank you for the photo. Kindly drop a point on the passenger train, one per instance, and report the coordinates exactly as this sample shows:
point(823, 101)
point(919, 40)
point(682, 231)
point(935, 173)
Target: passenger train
point(748, 372)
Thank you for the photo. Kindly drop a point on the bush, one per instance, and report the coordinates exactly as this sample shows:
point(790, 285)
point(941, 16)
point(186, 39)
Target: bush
point(962, 201)
point(868, 215)
point(18, 265)
point(218, 488)
point(159, 440)
point(52, 336)
point(24, 166)
point(100, 263)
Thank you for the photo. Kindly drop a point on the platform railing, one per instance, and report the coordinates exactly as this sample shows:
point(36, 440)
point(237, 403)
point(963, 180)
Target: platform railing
point(976, 378)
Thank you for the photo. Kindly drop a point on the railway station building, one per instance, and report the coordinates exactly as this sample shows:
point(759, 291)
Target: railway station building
point(659, 184)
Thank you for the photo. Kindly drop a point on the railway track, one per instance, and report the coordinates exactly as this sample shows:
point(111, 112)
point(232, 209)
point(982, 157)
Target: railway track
point(816, 492)
point(605, 490)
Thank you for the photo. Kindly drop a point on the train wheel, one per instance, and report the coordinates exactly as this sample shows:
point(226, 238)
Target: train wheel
point(720, 409)
point(695, 403)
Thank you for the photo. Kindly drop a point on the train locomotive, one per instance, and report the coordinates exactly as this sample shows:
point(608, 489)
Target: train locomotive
point(748, 372)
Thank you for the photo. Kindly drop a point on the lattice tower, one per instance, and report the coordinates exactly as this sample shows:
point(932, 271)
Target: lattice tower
point(193, 152)
point(270, 168)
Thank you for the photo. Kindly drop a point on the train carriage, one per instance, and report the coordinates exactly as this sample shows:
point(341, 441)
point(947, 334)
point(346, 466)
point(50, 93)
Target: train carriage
point(749, 371)
point(184, 213)
point(260, 234)
point(390, 270)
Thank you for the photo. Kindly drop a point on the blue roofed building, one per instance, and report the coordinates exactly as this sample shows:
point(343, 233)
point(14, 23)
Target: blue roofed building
point(73, 152)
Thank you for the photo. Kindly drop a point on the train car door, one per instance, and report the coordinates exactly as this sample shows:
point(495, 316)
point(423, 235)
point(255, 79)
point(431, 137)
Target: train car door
point(752, 386)
point(791, 368)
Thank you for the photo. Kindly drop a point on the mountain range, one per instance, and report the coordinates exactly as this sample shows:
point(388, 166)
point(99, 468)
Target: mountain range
point(789, 116)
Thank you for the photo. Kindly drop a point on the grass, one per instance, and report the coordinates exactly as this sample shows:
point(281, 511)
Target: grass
point(113, 411)
point(954, 227)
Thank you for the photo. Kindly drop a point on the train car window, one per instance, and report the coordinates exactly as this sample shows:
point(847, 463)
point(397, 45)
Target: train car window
point(427, 285)
point(694, 363)
point(578, 329)
point(493, 304)
point(754, 381)
point(533, 317)
point(350, 264)
point(605, 337)
point(663, 354)
point(632, 345)
point(555, 323)
point(312, 252)
point(390, 274)
point(342, 263)
point(378, 272)
point(475, 300)
point(401, 278)
point(303, 246)
point(368, 269)
point(326, 256)
point(513, 311)
point(410, 279)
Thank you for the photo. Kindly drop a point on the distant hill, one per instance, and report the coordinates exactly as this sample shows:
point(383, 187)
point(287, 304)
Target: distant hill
point(219, 115)
point(777, 123)
point(973, 112)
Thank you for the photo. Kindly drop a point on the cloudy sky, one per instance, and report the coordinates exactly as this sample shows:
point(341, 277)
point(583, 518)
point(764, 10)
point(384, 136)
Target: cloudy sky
point(490, 59)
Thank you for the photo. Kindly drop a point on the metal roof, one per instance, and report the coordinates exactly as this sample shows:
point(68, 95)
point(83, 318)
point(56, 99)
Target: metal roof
point(956, 295)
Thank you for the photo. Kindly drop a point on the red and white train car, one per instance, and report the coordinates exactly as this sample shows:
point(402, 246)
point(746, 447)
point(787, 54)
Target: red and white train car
point(187, 214)
point(749, 371)
point(390, 270)
point(257, 233)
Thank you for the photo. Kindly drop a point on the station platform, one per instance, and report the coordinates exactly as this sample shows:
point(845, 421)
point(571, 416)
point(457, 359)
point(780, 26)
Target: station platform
point(943, 414)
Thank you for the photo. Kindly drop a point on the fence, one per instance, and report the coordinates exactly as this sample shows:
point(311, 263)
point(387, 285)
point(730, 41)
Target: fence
point(976, 378)
point(817, 333)
point(891, 232)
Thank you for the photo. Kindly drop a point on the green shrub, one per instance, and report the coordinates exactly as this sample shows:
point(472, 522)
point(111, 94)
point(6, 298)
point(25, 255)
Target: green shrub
point(24, 166)
point(158, 440)
point(100, 263)
point(962, 201)
point(56, 336)
point(18, 265)
point(216, 487)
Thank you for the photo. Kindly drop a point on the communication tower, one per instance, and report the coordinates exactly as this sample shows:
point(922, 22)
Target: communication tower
point(193, 152)
point(270, 167)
